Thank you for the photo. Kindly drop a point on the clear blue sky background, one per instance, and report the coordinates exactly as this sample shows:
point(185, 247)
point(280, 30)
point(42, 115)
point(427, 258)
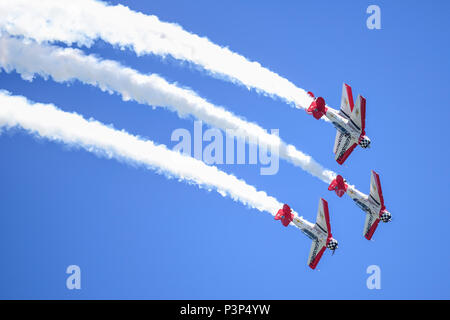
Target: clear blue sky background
point(136, 234)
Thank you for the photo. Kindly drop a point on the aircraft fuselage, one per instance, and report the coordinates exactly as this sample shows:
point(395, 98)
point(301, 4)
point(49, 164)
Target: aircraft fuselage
point(343, 123)
point(366, 202)
point(312, 231)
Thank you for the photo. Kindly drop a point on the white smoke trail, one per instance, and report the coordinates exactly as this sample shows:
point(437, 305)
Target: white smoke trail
point(84, 21)
point(68, 64)
point(47, 121)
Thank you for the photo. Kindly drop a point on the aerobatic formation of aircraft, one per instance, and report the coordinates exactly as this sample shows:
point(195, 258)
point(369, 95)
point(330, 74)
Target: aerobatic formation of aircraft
point(319, 233)
point(350, 122)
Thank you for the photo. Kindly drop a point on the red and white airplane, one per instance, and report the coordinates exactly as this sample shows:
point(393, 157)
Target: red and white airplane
point(372, 204)
point(319, 233)
point(350, 122)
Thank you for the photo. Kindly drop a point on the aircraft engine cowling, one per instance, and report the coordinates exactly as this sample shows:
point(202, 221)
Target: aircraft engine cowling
point(339, 185)
point(317, 108)
point(285, 215)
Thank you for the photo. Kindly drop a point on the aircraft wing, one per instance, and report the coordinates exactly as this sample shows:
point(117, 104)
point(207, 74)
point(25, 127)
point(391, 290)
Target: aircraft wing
point(318, 246)
point(317, 249)
point(370, 225)
point(375, 189)
point(323, 217)
point(343, 146)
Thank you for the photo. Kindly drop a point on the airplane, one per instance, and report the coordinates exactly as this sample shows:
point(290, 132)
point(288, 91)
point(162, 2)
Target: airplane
point(319, 233)
point(372, 204)
point(350, 122)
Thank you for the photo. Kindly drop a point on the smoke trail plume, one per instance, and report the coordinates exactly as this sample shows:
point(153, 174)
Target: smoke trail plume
point(29, 58)
point(84, 21)
point(47, 121)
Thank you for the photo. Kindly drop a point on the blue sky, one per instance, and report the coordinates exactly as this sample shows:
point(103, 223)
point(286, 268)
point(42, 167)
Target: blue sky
point(136, 234)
